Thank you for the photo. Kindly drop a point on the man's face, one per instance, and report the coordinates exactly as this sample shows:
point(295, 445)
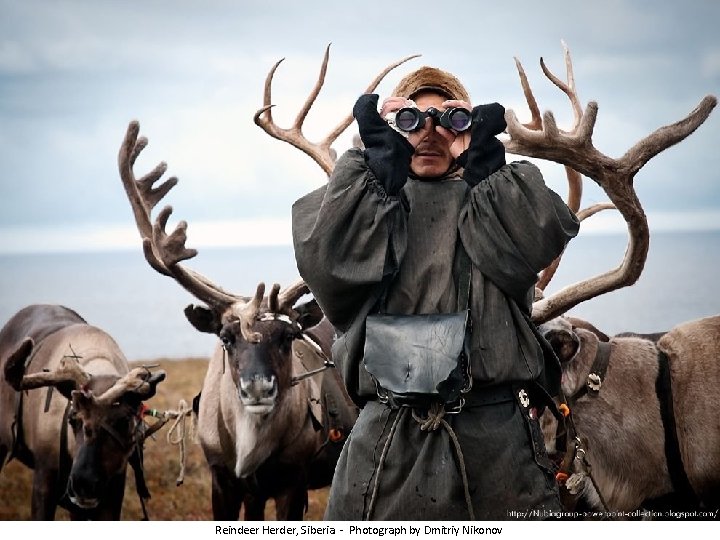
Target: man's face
point(432, 156)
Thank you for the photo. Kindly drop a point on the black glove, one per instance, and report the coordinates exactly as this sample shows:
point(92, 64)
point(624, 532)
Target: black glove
point(486, 154)
point(387, 153)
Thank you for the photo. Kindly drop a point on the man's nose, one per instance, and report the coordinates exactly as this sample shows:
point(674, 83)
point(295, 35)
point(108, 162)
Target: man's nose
point(434, 135)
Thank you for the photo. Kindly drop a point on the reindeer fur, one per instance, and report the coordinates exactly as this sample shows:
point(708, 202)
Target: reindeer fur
point(622, 425)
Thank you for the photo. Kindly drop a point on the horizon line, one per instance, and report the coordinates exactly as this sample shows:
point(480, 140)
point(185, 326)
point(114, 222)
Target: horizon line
point(90, 238)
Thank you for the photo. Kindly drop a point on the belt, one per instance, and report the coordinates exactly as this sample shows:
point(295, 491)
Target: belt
point(490, 395)
point(477, 397)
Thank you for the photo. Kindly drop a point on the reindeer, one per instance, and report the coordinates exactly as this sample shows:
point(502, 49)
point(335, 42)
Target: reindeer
point(59, 371)
point(641, 438)
point(644, 411)
point(541, 138)
point(273, 412)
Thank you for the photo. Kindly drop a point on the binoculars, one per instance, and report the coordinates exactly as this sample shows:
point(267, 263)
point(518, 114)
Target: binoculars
point(411, 119)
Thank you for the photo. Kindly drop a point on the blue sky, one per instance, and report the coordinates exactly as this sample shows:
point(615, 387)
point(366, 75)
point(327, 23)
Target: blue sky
point(74, 73)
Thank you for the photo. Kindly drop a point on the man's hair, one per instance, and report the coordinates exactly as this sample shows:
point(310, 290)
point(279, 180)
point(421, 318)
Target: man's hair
point(430, 79)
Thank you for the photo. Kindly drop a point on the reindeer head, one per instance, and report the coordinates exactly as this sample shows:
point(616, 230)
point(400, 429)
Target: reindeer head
point(257, 338)
point(105, 416)
point(576, 343)
point(560, 334)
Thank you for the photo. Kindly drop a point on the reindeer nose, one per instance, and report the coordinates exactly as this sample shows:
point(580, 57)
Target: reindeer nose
point(83, 490)
point(258, 389)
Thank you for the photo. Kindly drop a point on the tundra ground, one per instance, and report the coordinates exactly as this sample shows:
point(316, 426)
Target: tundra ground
point(168, 502)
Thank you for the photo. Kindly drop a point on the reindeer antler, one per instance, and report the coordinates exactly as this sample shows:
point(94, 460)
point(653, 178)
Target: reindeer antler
point(320, 152)
point(248, 312)
point(292, 294)
point(284, 302)
point(573, 177)
point(162, 251)
point(140, 381)
point(68, 370)
point(575, 149)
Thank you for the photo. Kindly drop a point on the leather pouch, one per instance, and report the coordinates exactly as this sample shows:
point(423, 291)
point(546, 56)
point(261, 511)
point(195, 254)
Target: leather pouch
point(416, 359)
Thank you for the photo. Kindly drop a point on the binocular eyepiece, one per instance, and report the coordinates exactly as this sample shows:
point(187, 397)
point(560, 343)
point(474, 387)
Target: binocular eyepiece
point(411, 118)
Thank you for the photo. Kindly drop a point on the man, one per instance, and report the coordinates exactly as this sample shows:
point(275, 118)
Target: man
point(386, 233)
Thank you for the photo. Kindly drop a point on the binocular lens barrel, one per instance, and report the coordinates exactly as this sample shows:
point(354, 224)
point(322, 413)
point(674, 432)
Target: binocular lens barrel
point(459, 119)
point(412, 119)
point(408, 119)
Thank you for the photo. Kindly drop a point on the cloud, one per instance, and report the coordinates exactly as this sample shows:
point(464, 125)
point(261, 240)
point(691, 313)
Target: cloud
point(73, 74)
point(710, 62)
point(101, 237)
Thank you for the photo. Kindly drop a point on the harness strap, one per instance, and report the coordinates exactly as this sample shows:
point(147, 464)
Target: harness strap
point(64, 460)
point(597, 372)
point(16, 429)
point(136, 462)
point(576, 455)
point(575, 468)
point(48, 398)
point(678, 475)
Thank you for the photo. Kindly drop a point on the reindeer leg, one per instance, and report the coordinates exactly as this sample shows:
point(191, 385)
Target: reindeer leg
point(4, 451)
point(227, 494)
point(254, 508)
point(292, 503)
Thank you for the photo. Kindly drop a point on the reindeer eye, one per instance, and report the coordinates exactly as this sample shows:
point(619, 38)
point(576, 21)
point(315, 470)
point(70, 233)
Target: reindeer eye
point(227, 340)
point(286, 340)
point(74, 422)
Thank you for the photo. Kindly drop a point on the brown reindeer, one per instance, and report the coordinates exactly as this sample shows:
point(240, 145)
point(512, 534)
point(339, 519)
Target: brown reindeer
point(71, 409)
point(273, 413)
point(645, 415)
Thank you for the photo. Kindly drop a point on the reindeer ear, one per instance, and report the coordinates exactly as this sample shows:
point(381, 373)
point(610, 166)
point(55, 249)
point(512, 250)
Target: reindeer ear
point(203, 319)
point(15, 365)
point(146, 391)
point(564, 343)
point(310, 314)
point(153, 381)
point(81, 400)
point(66, 388)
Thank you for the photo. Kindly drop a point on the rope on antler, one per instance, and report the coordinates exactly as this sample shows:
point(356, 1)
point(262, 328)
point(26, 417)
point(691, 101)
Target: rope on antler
point(178, 430)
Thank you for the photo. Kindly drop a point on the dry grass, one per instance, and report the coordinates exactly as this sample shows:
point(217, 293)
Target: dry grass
point(189, 501)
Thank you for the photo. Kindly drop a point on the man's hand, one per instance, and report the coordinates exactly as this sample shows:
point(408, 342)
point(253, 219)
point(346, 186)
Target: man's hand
point(387, 152)
point(486, 154)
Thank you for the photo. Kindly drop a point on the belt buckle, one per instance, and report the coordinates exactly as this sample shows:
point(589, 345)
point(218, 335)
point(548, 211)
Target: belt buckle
point(456, 407)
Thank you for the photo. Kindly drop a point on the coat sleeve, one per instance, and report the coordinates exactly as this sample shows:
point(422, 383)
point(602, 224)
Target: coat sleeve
point(347, 236)
point(513, 226)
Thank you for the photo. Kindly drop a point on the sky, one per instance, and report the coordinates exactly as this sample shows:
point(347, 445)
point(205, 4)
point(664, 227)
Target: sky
point(73, 74)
